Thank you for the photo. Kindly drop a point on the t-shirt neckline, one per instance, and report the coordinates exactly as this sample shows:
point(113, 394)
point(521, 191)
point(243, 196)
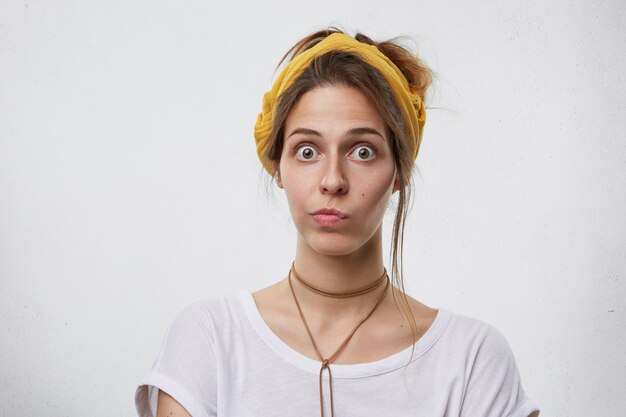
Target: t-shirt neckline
point(388, 364)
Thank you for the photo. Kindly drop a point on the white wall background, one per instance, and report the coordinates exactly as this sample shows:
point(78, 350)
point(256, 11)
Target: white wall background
point(129, 184)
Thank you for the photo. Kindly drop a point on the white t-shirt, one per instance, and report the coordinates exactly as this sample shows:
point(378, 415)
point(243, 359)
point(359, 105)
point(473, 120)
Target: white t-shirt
point(220, 358)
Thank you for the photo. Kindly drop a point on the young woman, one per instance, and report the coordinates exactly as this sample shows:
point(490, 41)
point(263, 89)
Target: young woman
point(337, 336)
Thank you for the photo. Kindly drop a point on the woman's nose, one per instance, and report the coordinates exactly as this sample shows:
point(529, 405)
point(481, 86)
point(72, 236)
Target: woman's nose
point(333, 180)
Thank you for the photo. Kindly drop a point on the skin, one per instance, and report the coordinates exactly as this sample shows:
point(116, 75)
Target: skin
point(169, 407)
point(350, 168)
point(337, 155)
point(332, 125)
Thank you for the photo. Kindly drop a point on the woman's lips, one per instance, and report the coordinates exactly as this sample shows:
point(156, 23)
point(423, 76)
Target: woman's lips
point(328, 217)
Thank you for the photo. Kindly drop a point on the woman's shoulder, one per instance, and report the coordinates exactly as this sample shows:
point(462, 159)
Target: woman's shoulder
point(212, 312)
point(473, 338)
point(463, 326)
point(455, 328)
point(469, 327)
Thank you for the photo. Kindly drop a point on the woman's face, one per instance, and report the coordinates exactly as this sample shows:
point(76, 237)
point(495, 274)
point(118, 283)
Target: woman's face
point(337, 170)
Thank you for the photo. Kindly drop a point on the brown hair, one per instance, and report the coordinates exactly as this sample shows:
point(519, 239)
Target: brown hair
point(347, 69)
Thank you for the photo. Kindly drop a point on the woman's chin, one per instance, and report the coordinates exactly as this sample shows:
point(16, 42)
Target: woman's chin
point(334, 252)
point(330, 246)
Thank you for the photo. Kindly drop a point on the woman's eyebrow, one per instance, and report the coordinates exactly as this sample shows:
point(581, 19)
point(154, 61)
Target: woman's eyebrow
point(305, 131)
point(364, 131)
point(355, 132)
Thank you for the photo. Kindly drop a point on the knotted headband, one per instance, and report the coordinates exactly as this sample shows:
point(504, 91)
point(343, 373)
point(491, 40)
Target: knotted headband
point(410, 103)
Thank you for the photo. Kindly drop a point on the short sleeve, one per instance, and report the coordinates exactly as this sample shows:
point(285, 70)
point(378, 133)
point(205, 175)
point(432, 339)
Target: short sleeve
point(185, 367)
point(494, 387)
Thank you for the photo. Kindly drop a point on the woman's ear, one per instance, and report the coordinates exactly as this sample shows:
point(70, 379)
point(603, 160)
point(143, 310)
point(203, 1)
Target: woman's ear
point(277, 176)
point(396, 181)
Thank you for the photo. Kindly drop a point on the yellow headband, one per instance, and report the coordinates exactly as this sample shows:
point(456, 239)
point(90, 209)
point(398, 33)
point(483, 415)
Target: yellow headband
point(409, 102)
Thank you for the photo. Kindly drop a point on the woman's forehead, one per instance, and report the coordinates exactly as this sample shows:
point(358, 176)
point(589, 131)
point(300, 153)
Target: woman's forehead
point(334, 107)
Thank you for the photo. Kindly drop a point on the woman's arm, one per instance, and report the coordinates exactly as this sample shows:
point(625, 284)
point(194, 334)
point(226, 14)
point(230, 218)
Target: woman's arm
point(169, 407)
point(494, 387)
point(185, 370)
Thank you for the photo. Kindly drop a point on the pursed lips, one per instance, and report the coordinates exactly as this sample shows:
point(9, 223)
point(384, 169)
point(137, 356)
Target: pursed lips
point(328, 217)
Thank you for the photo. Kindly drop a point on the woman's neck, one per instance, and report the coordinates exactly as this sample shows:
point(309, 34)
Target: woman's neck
point(338, 274)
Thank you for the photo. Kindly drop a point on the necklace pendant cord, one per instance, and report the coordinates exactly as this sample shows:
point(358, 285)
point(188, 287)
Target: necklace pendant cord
point(330, 383)
point(326, 362)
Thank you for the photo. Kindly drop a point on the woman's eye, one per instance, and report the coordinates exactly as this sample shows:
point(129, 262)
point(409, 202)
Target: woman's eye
point(306, 153)
point(363, 153)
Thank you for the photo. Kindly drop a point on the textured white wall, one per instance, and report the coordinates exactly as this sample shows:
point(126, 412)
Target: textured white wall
point(129, 184)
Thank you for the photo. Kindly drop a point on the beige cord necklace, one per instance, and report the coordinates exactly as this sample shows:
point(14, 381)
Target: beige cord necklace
point(326, 362)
